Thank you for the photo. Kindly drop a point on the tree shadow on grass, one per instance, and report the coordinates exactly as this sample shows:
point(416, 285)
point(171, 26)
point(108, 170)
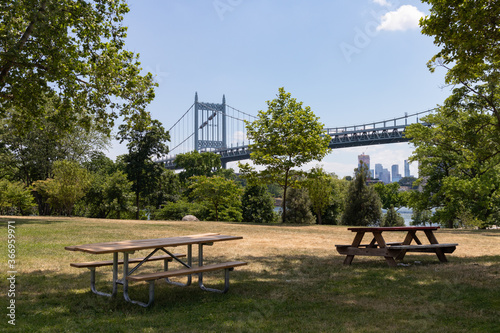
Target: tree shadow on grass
point(21, 221)
point(301, 293)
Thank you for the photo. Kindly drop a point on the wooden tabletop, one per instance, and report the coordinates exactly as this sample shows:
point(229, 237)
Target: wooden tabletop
point(135, 245)
point(371, 229)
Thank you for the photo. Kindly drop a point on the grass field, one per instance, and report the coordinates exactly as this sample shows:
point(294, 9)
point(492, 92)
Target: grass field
point(295, 282)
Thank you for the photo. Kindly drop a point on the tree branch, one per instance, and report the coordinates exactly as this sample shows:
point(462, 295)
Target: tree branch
point(20, 44)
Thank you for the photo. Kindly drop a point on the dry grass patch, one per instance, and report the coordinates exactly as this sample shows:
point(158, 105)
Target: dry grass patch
point(295, 282)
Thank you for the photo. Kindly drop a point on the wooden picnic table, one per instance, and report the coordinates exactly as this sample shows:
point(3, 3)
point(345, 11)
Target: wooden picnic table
point(393, 250)
point(127, 247)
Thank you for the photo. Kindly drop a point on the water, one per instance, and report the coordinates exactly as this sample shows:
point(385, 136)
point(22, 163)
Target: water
point(406, 213)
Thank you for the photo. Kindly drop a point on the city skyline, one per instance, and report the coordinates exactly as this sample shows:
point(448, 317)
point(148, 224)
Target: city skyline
point(382, 173)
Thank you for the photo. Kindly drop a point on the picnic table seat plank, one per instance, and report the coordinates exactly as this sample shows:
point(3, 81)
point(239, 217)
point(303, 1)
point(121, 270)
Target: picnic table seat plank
point(152, 277)
point(185, 271)
point(447, 248)
point(120, 261)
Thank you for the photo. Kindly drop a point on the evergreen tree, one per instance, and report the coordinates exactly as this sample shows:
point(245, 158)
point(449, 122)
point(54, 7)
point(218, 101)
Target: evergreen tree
point(393, 219)
point(299, 207)
point(257, 205)
point(362, 206)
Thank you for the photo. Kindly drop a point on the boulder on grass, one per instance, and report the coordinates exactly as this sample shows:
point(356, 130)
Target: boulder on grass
point(190, 218)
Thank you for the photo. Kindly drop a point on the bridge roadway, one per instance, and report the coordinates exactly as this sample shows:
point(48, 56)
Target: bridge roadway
point(342, 137)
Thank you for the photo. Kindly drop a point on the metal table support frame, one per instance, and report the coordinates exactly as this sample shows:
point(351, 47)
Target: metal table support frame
point(127, 272)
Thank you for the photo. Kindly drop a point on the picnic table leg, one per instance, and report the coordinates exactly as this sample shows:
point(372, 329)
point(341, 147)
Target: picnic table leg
point(432, 239)
point(189, 265)
point(381, 244)
point(200, 275)
point(115, 276)
point(125, 285)
point(409, 237)
point(355, 243)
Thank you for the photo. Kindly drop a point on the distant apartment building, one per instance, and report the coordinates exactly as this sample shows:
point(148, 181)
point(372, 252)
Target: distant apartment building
point(385, 176)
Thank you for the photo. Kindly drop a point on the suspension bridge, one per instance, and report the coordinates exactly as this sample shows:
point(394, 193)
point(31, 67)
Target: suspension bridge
point(221, 128)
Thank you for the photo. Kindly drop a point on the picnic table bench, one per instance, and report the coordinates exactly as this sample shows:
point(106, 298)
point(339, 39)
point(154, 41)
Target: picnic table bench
point(392, 251)
point(159, 244)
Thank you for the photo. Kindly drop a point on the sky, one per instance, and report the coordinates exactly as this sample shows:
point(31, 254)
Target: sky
point(352, 62)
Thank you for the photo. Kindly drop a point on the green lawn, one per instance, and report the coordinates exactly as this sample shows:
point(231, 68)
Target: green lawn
point(295, 282)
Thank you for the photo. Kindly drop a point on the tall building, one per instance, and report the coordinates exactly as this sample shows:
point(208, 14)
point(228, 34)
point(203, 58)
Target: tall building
point(385, 176)
point(365, 159)
point(407, 168)
point(378, 170)
point(396, 176)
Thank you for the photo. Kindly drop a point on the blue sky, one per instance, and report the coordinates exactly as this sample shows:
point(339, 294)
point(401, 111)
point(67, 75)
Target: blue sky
point(350, 61)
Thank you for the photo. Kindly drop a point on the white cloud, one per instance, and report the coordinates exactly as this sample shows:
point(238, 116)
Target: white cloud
point(404, 18)
point(382, 3)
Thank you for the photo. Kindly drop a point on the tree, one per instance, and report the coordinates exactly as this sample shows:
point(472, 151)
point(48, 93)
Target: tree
point(459, 157)
point(109, 195)
point(217, 193)
point(392, 218)
point(167, 189)
point(257, 205)
point(335, 210)
point(146, 139)
point(408, 182)
point(299, 207)
point(320, 187)
point(284, 137)
point(390, 196)
point(15, 198)
point(30, 155)
point(69, 185)
point(362, 205)
point(197, 164)
point(468, 34)
point(459, 163)
point(72, 53)
point(421, 217)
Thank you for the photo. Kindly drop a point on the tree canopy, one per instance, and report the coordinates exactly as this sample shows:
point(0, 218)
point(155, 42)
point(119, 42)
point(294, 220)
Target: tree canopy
point(71, 53)
point(459, 157)
point(467, 33)
point(458, 150)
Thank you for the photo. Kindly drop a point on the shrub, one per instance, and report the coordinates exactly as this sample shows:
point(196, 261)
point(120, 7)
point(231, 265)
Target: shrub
point(257, 205)
point(299, 207)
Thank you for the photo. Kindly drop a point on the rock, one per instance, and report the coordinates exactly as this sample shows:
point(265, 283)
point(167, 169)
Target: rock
point(190, 218)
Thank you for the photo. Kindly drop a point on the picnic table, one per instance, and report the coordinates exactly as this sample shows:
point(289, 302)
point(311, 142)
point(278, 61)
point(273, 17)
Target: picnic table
point(128, 247)
point(393, 250)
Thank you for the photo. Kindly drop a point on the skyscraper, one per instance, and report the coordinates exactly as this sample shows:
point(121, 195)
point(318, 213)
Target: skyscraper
point(364, 159)
point(407, 168)
point(378, 170)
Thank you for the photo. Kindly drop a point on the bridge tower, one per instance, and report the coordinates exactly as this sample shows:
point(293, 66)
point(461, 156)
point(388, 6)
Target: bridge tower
point(210, 125)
